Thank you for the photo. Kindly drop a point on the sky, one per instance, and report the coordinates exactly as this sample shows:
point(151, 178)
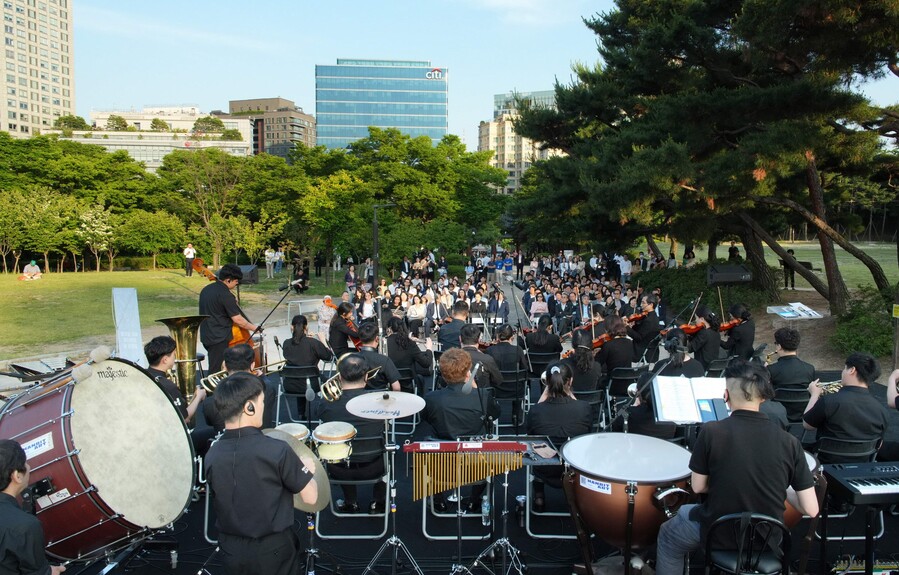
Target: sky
point(135, 53)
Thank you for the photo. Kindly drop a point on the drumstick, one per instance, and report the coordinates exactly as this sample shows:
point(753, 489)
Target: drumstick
point(81, 371)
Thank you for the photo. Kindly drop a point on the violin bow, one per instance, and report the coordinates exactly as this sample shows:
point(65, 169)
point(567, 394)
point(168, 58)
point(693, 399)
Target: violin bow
point(695, 307)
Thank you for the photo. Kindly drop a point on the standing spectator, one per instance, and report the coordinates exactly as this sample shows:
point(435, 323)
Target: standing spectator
point(279, 260)
point(519, 265)
point(626, 267)
point(319, 262)
point(672, 261)
point(733, 253)
point(350, 280)
point(189, 254)
point(269, 256)
point(789, 273)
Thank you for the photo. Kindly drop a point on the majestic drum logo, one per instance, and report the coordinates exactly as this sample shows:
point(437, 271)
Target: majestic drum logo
point(111, 374)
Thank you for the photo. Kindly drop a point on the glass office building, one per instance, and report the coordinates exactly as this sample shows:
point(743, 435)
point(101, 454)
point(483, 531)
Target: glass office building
point(355, 94)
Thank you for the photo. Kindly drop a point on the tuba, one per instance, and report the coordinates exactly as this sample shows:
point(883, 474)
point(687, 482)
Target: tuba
point(184, 331)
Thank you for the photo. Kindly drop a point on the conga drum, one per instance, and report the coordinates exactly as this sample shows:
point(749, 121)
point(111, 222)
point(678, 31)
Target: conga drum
point(605, 466)
point(115, 454)
point(332, 441)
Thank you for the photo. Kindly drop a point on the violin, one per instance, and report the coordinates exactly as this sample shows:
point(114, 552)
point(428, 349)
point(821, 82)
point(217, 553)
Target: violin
point(636, 317)
point(357, 343)
point(586, 326)
point(729, 325)
point(687, 328)
point(598, 342)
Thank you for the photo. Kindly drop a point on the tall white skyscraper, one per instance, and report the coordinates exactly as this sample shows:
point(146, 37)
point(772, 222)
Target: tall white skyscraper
point(39, 74)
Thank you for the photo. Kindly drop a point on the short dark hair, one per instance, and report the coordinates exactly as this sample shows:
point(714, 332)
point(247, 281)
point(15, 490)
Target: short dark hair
point(752, 380)
point(504, 332)
point(740, 311)
point(239, 358)
point(787, 338)
point(866, 367)
point(343, 308)
point(232, 394)
point(352, 367)
point(230, 272)
point(368, 332)
point(159, 347)
point(470, 333)
point(460, 308)
point(454, 365)
point(12, 458)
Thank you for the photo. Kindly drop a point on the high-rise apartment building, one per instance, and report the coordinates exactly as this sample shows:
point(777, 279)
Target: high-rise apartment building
point(512, 152)
point(39, 72)
point(279, 125)
point(410, 95)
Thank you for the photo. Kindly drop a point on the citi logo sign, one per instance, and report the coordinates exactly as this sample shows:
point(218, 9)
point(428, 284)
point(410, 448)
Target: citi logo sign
point(435, 74)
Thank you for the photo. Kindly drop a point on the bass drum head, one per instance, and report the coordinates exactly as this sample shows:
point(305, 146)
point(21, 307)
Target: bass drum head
point(627, 457)
point(134, 447)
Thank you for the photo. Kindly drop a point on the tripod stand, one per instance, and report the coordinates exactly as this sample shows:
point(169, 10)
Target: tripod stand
point(393, 542)
point(511, 559)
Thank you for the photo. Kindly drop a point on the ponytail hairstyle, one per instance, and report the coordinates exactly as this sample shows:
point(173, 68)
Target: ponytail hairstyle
point(583, 350)
point(558, 378)
point(676, 346)
point(740, 311)
point(298, 323)
point(709, 316)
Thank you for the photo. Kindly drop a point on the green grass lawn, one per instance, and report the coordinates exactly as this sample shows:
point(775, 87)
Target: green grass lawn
point(854, 272)
point(72, 307)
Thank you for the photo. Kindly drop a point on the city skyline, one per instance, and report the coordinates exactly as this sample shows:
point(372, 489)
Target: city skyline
point(142, 53)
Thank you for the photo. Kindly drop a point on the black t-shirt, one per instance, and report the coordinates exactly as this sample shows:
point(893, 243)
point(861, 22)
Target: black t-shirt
point(740, 340)
point(170, 389)
point(706, 346)
point(690, 368)
point(749, 462)
point(387, 373)
point(253, 478)
point(851, 413)
point(790, 371)
point(338, 334)
point(619, 352)
point(217, 301)
point(453, 414)
point(560, 418)
point(584, 380)
point(306, 352)
point(21, 540)
point(448, 336)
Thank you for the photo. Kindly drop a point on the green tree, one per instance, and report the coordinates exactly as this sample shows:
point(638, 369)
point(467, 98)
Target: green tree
point(202, 186)
point(71, 122)
point(151, 232)
point(116, 123)
point(232, 135)
point(159, 125)
point(12, 225)
point(45, 212)
point(96, 231)
point(254, 237)
point(208, 124)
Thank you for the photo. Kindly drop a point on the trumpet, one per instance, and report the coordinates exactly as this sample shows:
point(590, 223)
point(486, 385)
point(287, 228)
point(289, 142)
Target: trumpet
point(211, 381)
point(768, 357)
point(828, 387)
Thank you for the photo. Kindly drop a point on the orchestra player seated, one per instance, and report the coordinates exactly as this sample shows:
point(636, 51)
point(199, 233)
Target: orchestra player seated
point(586, 370)
point(559, 416)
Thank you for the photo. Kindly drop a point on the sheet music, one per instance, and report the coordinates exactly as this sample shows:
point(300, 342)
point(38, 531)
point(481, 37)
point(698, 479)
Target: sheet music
point(708, 387)
point(674, 400)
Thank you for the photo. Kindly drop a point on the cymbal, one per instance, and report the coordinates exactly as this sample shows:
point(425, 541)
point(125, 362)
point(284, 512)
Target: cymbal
point(321, 477)
point(385, 405)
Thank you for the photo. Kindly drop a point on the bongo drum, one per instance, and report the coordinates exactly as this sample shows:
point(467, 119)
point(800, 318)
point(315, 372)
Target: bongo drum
point(332, 441)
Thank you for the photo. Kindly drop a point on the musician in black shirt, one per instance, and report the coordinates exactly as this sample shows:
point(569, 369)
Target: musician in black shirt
point(448, 336)
point(619, 351)
point(586, 370)
point(645, 332)
point(21, 535)
point(542, 340)
point(789, 371)
point(252, 479)
point(302, 351)
point(341, 329)
point(488, 375)
point(217, 302)
point(706, 343)
point(740, 339)
point(406, 354)
point(387, 376)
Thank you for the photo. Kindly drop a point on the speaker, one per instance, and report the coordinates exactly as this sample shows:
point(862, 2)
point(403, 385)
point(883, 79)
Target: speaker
point(250, 274)
point(721, 274)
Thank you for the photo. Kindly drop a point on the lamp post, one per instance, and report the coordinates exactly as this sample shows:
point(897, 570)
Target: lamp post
point(376, 259)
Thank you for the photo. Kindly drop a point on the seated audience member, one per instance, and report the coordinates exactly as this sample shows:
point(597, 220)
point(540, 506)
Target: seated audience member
point(31, 271)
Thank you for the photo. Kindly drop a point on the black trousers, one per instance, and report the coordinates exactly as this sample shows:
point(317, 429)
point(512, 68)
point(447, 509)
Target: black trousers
point(275, 554)
point(356, 472)
point(189, 267)
point(216, 355)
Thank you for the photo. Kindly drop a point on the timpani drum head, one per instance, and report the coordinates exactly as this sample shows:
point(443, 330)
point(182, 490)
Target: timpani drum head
point(133, 444)
point(627, 457)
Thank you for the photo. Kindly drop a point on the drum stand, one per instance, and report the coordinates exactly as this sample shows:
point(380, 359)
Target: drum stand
point(509, 552)
point(312, 553)
point(393, 542)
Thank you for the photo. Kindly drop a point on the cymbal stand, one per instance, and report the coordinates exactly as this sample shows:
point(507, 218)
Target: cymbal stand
point(511, 558)
point(394, 542)
point(312, 553)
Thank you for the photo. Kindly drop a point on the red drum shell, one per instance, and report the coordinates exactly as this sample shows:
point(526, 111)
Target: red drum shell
point(115, 450)
point(602, 466)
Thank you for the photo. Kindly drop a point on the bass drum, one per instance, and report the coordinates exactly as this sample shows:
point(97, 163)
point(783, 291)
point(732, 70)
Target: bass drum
point(602, 465)
point(116, 453)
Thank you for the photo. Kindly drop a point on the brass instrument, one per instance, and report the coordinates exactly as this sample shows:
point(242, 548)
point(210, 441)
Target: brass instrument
point(828, 387)
point(768, 357)
point(211, 381)
point(331, 390)
point(184, 331)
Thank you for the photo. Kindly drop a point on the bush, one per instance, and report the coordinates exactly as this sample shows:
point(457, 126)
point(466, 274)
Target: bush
point(866, 326)
point(163, 260)
point(681, 285)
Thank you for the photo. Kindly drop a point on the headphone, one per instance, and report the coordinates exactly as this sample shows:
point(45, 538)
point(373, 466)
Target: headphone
point(250, 409)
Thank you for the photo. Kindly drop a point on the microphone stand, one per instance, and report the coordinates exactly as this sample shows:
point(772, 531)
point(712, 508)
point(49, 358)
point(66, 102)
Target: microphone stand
point(674, 321)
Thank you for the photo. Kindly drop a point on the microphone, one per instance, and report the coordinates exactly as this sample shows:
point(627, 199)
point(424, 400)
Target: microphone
point(466, 387)
point(290, 285)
